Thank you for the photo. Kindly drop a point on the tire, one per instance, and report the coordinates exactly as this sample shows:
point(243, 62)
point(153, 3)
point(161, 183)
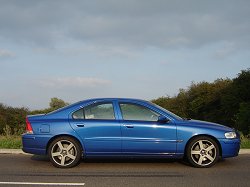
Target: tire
point(202, 152)
point(64, 152)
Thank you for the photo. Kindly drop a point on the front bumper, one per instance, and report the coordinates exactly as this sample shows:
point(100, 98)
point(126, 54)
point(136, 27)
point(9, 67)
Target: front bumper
point(230, 147)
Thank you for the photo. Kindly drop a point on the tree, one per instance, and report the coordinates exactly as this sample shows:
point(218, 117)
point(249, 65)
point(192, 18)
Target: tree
point(200, 101)
point(204, 100)
point(12, 120)
point(243, 118)
point(241, 93)
point(56, 103)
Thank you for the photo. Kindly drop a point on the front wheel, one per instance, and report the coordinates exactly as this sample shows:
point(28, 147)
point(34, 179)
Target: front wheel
point(202, 152)
point(64, 152)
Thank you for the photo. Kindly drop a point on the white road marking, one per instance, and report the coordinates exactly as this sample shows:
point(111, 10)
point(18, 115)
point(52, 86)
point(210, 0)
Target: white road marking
point(44, 184)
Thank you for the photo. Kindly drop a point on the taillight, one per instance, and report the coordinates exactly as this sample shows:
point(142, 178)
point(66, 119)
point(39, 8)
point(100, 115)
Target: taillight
point(29, 129)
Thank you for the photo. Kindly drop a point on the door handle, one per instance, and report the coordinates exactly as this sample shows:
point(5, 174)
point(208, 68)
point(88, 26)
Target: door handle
point(129, 126)
point(80, 125)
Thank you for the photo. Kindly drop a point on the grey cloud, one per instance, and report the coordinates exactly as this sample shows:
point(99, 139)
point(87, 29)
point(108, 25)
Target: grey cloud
point(225, 51)
point(75, 82)
point(141, 23)
point(6, 54)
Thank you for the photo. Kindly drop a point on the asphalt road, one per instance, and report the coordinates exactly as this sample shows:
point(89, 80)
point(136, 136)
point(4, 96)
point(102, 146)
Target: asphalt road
point(37, 171)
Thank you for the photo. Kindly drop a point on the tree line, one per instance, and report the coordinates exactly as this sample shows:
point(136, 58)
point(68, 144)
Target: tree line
point(224, 101)
point(12, 119)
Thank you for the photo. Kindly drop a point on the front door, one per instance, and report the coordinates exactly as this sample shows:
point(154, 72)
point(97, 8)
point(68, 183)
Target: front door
point(142, 134)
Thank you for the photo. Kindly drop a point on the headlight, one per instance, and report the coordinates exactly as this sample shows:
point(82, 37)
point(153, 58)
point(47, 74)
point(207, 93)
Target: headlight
point(230, 135)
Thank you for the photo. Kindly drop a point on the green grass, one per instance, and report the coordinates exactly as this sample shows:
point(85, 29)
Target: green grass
point(15, 142)
point(245, 143)
point(10, 142)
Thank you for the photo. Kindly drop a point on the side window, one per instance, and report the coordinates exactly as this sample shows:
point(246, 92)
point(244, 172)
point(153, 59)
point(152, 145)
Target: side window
point(96, 111)
point(137, 112)
point(79, 114)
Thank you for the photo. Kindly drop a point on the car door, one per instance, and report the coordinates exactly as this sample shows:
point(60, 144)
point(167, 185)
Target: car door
point(97, 126)
point(143, 134)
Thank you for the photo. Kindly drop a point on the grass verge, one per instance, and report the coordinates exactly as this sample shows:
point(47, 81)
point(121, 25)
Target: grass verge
point(245, 143)
point(10, 142)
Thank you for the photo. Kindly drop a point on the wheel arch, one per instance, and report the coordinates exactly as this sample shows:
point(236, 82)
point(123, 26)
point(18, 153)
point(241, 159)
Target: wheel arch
point(199, 135)
point(67, 135)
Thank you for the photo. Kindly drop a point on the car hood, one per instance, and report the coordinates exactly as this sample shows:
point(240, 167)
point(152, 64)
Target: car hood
point(205, 124)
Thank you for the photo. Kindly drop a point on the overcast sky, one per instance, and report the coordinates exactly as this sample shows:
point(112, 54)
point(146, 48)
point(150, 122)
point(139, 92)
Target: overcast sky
point(117, 48)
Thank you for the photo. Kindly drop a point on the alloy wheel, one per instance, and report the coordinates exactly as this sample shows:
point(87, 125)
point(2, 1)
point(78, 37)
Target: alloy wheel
point(203, 152)
point(64, 153)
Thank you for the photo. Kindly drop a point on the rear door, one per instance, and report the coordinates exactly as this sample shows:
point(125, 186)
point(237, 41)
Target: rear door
point(142, 134)
point(96, 124)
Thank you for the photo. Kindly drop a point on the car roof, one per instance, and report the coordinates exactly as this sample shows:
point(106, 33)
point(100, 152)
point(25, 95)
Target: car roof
point(112, 98)
point(79, 103)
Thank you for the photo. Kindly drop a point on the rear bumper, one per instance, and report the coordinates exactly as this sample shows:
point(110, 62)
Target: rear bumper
point(35, 144)
point(230, 147)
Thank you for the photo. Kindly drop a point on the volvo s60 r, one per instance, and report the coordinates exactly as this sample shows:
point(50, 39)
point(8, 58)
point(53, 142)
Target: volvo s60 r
point(119, 127)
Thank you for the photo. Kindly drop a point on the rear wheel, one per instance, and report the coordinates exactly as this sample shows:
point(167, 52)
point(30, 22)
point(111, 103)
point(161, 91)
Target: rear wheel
point(64, 152)
point(202, 152)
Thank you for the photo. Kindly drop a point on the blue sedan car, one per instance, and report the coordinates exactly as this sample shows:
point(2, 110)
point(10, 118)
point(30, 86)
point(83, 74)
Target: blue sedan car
point(116, 127)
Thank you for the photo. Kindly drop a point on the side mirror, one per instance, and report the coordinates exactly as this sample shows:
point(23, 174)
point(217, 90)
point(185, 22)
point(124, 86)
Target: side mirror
point(163, 119)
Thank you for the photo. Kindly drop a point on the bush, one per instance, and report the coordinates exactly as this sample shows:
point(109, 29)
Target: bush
point(245, 141)
point(12, 120)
